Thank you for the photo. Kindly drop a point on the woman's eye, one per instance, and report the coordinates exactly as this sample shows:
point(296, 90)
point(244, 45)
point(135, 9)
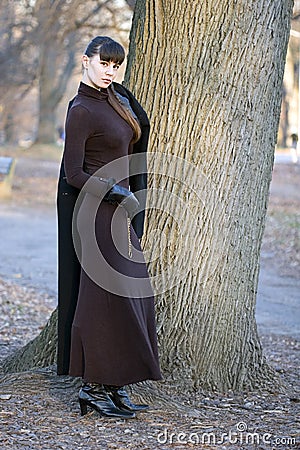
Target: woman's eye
point(116, 66)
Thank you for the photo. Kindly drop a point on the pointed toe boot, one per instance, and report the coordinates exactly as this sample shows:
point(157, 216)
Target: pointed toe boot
point(96, 397)
point(121, 399)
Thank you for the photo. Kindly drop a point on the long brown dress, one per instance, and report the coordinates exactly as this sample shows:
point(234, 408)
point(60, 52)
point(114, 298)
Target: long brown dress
point(113, 334)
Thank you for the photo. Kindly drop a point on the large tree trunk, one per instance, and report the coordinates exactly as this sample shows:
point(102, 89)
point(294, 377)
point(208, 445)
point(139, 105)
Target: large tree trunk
point(210, 76)
point(40, 352)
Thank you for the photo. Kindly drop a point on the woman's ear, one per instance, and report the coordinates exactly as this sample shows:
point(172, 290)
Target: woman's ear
point(85, 61)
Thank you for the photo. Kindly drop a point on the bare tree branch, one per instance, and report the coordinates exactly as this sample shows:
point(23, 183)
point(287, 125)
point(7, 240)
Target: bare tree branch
point(131, 4)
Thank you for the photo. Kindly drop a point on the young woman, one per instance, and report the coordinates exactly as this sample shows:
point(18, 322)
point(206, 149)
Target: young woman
point(108, 302)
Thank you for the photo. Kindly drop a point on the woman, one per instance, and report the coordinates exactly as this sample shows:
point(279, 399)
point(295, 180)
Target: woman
point(113, 340)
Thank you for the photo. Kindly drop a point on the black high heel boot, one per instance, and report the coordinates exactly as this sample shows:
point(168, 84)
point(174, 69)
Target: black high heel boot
point(96, 397)
point(120, 398)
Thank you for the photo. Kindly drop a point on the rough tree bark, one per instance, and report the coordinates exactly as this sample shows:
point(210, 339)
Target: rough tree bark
point(40, 352)
point(210, 76)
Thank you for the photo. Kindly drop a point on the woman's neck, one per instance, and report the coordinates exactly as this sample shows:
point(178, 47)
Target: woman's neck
point(87, 80)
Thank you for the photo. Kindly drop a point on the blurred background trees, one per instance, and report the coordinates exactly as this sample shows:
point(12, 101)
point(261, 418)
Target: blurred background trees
point(290, 110)
point(40, 72)
point(40, 44)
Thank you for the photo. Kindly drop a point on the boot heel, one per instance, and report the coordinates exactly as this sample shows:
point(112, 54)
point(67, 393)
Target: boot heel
point(83, 407)
point(96, 397)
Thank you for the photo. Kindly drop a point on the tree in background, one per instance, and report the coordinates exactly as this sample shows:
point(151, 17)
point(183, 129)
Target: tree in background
point(40, 41)
point(65, 27)
point(210, 76)
point(17, 61)
point(289, 121)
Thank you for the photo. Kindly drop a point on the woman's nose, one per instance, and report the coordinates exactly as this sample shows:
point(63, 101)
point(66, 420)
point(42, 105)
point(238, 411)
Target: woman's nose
point(110, 70)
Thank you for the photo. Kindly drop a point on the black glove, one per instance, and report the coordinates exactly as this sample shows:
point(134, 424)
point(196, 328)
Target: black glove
point(120, 195)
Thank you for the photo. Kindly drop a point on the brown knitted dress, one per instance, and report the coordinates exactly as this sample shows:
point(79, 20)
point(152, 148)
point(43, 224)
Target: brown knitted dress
point(113, 334)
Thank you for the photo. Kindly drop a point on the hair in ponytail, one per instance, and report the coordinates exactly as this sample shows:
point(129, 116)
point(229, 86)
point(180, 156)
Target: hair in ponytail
point(110, 50)
point(122, 107)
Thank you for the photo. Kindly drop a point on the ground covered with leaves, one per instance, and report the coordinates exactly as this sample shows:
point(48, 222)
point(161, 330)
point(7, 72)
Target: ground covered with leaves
point(39, 410)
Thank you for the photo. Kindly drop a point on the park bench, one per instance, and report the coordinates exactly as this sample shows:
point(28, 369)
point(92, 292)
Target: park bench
point(7, 165)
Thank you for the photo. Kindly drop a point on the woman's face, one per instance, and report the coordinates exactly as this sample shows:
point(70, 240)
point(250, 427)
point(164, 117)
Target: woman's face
point(98, 73)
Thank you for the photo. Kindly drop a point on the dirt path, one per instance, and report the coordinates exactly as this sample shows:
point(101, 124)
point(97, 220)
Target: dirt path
point(28, 246)
point(29, 242)
point(38, 409)
point(29, 257)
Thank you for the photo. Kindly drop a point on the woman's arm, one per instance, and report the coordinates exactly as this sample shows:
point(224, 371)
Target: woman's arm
point(78, 129)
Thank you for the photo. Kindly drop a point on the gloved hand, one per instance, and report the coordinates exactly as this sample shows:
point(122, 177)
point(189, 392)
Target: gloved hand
point(122, 196)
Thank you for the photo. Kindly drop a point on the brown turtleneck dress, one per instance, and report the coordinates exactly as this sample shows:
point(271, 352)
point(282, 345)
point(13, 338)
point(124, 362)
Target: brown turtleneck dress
point(113, 333)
